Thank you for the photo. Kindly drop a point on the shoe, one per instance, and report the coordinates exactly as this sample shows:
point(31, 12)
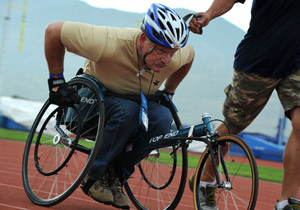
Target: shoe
point(120, 199)
point(206, 194)
point(99, 190)
point(208, 198)
point(191, 182)
point(294, 204)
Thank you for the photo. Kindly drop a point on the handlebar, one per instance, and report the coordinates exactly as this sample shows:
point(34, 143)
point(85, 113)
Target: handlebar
point(197, 16)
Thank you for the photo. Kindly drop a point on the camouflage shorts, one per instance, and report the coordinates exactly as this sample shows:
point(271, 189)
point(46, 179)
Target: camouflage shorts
point(248, 93)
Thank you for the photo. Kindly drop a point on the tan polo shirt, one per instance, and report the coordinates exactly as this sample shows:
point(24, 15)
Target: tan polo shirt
point(112, 57)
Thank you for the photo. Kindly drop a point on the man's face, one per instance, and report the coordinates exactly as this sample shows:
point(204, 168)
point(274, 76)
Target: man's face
point(159, 57)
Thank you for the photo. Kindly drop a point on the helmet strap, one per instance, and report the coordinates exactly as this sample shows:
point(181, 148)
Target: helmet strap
point(141, 53)
point(146, 68)
point(144, 57)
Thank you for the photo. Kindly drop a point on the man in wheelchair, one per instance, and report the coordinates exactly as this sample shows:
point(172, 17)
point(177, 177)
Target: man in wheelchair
point(129, 62)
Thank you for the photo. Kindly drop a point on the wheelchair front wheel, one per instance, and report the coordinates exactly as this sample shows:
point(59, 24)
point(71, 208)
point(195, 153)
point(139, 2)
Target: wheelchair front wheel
point(62, 145)
point(239, 185)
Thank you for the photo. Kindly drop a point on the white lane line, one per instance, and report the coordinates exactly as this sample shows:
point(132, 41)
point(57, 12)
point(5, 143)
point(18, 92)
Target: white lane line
point(14, 207)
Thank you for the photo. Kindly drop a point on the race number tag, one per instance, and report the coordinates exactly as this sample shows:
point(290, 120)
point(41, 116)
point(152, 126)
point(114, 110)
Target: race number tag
point(144, 121)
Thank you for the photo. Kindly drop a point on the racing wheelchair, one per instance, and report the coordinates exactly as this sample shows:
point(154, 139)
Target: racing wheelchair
point(63, 143)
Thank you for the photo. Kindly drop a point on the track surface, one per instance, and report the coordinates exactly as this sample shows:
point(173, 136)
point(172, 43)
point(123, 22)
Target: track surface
point(13, 197)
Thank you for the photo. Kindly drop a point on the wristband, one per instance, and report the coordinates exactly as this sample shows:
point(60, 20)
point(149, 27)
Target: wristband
point(169, 91)
point(61, 75)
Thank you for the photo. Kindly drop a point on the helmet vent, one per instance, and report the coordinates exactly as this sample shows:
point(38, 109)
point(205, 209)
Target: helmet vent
point(171, 28)
point(157, 35)
point(161, 25)
point(168, 38)
point(183, 41)
point(173, 17)
point(182, 28)
point(152, 16)
point(177, 33)
point(161, 14)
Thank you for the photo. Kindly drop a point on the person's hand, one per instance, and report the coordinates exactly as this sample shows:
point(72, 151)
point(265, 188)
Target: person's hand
point(168, 93)
point(61, 93)
point(199, 21)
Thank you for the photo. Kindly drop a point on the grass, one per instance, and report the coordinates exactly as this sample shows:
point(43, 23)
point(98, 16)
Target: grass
point(13, 134)
point(265, 173)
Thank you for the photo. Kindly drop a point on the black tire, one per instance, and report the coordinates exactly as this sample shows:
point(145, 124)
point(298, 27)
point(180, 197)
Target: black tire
point(242, 189)
point(159, 180)
point(62, 145)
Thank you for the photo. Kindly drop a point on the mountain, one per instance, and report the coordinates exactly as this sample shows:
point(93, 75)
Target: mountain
point(24, 73)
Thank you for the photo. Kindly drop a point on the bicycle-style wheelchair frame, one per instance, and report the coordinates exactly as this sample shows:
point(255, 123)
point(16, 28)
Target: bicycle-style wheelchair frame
point(63, 143)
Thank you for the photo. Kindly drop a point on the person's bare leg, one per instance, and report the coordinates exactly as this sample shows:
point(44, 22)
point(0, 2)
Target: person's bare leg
point(291, 159)
point(209, 176)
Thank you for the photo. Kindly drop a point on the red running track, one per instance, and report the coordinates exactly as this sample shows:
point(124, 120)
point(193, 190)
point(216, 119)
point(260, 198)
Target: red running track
point(13, 197)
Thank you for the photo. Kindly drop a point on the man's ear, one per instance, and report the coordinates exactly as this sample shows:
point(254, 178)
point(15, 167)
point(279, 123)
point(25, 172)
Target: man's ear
point(142, 39)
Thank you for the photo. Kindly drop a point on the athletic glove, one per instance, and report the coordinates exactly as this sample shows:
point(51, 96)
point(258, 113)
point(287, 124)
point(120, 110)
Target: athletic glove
point(65, 95)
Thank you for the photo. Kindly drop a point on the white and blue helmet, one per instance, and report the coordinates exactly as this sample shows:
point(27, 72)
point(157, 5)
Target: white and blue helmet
point(165, 27)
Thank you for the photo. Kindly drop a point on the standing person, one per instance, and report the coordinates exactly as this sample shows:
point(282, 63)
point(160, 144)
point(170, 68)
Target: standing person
point(128, 62)
point(267, 59)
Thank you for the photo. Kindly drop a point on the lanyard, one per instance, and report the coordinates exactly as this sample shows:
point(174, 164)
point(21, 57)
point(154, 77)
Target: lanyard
point(143, 117)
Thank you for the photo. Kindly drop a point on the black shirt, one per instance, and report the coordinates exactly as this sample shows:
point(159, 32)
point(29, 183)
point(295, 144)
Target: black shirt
point(271, 46)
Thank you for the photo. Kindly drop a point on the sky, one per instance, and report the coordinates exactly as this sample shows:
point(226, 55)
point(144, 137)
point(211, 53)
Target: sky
point(239, 15)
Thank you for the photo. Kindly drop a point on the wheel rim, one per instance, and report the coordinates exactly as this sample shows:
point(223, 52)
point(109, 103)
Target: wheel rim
point(53, 170)
point(241, 191)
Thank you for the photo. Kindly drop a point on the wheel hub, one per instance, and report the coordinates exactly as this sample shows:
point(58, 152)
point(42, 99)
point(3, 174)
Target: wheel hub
point(56, 139)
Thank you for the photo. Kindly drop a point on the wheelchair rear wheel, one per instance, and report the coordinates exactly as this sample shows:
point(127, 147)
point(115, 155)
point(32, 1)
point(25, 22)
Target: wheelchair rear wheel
point(62, 145)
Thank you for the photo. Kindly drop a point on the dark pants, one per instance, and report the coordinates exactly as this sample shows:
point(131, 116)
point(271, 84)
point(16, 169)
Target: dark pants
point(122, 127)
